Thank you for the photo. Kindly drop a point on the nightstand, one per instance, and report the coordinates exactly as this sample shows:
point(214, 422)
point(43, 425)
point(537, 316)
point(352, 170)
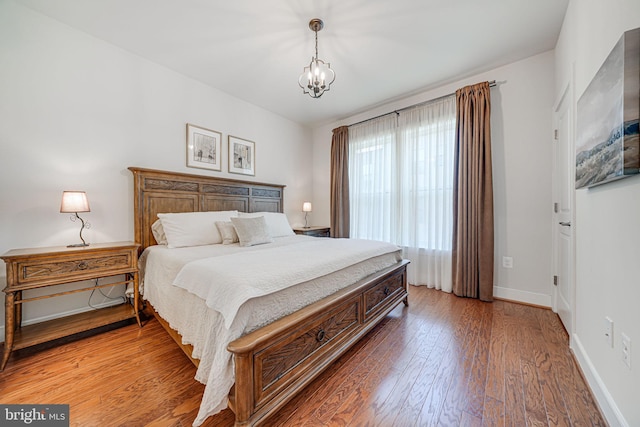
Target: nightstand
point(315, 231)
point(36, 268)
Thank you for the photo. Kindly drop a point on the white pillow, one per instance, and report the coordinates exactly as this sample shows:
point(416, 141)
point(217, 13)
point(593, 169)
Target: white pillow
point(193, 228)
point(252, 231)
point(277, 222)
point(228, 232)
point(158, 232)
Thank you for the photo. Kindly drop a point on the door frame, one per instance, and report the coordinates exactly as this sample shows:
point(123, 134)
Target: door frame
point(566, 95)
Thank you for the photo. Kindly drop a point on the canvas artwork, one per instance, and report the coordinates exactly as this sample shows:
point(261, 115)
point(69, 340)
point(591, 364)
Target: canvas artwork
point(607, 144)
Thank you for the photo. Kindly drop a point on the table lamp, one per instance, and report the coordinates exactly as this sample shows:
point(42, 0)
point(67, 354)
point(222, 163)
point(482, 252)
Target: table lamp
point(74, 202)
point(306, 208)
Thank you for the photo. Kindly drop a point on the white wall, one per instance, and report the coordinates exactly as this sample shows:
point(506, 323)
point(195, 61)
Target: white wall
point(76, 112)
point(522, 154)
point(607, 225)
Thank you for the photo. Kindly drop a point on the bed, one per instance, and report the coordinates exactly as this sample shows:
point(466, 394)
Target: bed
point(269, 362)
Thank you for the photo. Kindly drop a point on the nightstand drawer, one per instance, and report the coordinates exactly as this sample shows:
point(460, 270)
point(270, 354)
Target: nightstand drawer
point(38, 267)
point(57, 269)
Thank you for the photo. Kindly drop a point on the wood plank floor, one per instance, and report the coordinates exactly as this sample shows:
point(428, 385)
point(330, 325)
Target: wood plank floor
point(443, 361)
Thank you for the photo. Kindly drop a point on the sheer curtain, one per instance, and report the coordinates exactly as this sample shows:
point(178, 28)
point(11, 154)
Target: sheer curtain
point(372, 179)
point(401, 184)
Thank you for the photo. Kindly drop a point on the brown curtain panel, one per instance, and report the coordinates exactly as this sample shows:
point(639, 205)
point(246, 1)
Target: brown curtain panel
point(473, 195)
point(340, 182)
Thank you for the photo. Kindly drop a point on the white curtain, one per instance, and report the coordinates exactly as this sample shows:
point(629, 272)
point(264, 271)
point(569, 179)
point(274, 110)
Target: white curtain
point(401, 185)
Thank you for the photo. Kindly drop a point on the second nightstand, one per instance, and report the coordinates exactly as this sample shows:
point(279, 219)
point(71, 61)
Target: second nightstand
point(315, 231)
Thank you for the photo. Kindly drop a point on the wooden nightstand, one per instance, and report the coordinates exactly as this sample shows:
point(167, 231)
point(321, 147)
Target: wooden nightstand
point(315, 231)
point(36, 268)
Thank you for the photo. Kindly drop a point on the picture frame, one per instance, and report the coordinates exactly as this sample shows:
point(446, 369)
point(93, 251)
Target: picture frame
point(204, 148)
point(242, 156)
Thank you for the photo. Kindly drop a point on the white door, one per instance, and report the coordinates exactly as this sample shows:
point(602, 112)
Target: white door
point(563, 182)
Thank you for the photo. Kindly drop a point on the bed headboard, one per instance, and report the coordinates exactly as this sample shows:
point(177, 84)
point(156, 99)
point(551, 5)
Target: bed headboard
point(156, 191)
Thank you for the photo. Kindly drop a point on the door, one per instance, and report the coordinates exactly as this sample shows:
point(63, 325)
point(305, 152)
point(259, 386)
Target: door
point(563, 183)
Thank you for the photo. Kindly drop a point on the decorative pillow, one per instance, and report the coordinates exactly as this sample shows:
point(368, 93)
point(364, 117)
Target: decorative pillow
point(277, 223)
point(252, 231)
point(228, 232)
point(193, 228)
point(158, 232)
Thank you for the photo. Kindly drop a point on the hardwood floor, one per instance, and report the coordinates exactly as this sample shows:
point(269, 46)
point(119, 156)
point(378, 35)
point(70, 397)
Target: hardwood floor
point(443, 361)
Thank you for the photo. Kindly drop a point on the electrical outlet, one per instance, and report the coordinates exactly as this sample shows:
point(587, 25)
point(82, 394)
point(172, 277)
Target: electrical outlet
point(608, 331)
point(626, 350)
point(507, 262)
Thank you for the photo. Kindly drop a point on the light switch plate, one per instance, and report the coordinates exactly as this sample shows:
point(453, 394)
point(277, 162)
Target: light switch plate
point(608, 331)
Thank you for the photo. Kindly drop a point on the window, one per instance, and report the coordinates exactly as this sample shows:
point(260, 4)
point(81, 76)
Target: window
point(401, 185)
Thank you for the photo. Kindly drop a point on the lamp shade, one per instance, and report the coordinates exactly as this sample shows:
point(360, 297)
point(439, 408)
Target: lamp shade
point(306, 207)
point(74, 201)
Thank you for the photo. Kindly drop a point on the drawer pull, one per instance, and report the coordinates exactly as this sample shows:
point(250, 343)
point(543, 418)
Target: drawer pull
point(386, 291)
point(320, 335)
point(82, 265)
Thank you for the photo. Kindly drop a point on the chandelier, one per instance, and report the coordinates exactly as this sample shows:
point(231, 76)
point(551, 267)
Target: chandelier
point(318, 76)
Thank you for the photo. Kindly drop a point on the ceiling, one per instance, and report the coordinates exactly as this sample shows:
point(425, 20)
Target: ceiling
point(381, 50)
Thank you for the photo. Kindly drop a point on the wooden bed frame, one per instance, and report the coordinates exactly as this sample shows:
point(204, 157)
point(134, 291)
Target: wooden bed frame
point(272, 363)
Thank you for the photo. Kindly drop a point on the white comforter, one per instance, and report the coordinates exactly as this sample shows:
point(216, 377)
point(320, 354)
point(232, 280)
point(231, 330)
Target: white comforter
point(227, 282)
point(209, 331)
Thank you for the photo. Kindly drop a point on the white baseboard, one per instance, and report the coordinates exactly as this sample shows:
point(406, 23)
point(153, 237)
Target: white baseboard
point(604, 399)
point(522, 296)
point(63, 314)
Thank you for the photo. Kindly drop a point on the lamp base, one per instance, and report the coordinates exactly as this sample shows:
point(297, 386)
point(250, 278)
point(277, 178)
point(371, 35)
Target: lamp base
point(78, 245)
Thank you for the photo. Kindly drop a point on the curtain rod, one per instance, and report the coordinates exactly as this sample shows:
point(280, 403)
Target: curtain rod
point(492, 83)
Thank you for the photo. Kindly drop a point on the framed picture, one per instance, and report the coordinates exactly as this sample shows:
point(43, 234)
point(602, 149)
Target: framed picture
point(204, 148)
point(242, 156)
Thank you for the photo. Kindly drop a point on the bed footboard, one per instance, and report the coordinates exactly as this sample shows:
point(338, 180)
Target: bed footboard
point(273, 363)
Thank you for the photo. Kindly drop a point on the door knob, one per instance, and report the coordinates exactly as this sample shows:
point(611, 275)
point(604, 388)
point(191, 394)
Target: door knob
point(565, 224)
